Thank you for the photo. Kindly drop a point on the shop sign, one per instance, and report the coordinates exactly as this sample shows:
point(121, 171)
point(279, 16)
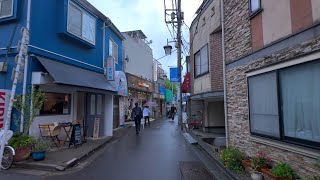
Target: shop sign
point(109, 68)
point(174, 74)
point(4, 103)
point(143, 84)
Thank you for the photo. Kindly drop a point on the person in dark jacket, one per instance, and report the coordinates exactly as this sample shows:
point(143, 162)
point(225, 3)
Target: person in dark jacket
point(137, 115)
point(173, 111)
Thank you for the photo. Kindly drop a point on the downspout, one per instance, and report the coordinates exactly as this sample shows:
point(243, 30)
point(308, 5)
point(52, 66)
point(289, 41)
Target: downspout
point(25, 73)
point(224, 75)
point(104, 43)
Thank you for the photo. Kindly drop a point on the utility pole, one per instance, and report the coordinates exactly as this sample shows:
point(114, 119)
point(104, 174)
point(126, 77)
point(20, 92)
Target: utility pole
point(176, 17)
point(179, 19)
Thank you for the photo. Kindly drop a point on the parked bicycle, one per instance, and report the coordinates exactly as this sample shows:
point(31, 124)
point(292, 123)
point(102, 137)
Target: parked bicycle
point(8, 153)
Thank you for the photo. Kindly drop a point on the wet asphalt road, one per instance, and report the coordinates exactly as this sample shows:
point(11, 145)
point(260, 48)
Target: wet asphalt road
point(152, 155)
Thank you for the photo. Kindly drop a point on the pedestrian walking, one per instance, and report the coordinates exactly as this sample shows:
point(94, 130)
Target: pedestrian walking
point(146, 115)
point(136, 114)
point(173, 111)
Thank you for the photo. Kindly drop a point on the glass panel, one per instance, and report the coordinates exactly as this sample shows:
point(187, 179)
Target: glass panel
point(56, 104)
point(92, 104)
point(197, 63)
point(255, 5)
point(110, 47)
point(115, 52)
point(204, 60)
point(88, 28)
point(74, 20)
point(300, 95)
point(263, 102)
point(99, 104)
point(6, 8)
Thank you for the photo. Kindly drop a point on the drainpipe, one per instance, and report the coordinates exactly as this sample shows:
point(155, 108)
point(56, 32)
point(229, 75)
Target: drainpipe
point(25, 73)
point(224, 75)
point(104, 44)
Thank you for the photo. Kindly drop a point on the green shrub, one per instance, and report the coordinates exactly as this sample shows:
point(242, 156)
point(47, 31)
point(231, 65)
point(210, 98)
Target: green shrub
point(231, 158)
point(283, 170)
point(40, 146)
point(21, 140)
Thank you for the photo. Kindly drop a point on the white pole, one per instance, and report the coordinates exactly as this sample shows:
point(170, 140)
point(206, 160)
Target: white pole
point(22, 53)
point(25, 70)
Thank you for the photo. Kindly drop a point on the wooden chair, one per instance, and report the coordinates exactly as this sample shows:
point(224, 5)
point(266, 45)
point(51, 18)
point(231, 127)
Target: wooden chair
point(50, 132)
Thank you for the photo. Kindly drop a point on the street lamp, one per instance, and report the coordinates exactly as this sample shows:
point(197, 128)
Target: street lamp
point(167, 49)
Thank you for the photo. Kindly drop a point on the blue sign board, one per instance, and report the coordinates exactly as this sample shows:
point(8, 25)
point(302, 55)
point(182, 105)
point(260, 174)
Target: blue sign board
point(174, 74)
point(162, 90)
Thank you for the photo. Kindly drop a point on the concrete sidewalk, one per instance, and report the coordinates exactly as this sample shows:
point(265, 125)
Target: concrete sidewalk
point(64, 158)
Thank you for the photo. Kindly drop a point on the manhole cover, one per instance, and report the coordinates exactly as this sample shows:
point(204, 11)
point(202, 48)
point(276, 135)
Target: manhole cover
point(191, 170)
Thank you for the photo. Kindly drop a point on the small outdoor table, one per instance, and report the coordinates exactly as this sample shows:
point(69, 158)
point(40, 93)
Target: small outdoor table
point(67, 127)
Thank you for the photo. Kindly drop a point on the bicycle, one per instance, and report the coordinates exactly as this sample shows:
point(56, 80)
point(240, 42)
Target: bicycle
point(8, 153)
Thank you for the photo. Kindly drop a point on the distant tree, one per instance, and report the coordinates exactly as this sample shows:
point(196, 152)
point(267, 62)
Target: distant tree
point(169, 85)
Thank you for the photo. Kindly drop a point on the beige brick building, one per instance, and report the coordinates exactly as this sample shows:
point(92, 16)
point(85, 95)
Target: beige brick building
point(273, 79)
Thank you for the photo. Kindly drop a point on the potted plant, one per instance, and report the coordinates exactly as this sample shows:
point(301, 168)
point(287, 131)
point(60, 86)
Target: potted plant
point(256, 164)
point(246, 163)
point(259, 162)
point(231, 158)
point(22, 145)
point(281, 171)
point(39, 151)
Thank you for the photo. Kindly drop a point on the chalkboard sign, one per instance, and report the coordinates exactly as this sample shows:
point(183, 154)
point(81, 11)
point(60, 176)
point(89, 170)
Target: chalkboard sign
point(76, 138)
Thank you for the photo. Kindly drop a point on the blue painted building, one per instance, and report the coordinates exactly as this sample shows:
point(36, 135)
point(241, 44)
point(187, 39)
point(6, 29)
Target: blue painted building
point(70, 41)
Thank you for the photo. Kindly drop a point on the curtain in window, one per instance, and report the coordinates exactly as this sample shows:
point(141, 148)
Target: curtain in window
point(88, 28)
point(74, 20)
point(263, 101)
point(300, 92)
point(6, 8)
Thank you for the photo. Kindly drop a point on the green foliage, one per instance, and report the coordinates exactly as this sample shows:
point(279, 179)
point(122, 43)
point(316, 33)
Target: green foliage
point(21, 140)
point(283, 170)
point(315, 178)
point(39, 146)
point(231, 158)
point(169, 85)
point(27, 109)
point(259, 161)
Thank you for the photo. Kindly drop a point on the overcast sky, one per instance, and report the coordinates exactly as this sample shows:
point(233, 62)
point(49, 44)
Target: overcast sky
point(148, 16)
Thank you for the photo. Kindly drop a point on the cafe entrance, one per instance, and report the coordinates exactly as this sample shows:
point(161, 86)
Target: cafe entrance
point(94, 122)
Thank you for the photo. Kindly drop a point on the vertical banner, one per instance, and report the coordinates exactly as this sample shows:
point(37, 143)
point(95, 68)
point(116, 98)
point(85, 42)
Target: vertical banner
point(155, 71)
point(174, 74)
point(4, 103)
point(109, 68)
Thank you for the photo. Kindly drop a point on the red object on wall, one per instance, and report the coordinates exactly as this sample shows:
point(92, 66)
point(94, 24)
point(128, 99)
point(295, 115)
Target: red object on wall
point(185, 87)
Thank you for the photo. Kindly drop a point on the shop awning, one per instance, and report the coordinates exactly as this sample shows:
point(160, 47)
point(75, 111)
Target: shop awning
point(71, 75)
point(185, 87)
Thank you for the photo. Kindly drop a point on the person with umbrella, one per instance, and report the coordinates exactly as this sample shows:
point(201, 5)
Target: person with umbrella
point(146, 115)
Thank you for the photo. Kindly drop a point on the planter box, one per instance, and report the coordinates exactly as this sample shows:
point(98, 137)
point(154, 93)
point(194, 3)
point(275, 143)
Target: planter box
point(22, 154)
point(38, 156)
point(268, 175)
point(247, 165)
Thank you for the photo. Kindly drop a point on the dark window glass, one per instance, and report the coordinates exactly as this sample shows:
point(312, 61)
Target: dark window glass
point(56, 104)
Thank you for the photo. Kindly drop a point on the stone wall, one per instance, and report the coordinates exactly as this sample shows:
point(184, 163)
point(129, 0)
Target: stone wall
point(237, 104)
point(237, 29)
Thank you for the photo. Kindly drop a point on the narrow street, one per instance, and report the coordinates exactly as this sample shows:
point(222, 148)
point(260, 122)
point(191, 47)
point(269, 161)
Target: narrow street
point(154, 154)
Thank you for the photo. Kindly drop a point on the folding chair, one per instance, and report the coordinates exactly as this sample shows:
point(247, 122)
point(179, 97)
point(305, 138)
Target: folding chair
point(50, 132)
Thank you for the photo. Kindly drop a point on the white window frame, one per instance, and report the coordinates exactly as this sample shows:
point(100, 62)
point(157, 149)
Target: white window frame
point(112, 42)
point(12, 9)
point(88, 14)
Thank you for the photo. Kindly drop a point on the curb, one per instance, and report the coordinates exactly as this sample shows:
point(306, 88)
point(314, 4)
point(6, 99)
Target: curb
point(71, 163)
point(210, 152)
